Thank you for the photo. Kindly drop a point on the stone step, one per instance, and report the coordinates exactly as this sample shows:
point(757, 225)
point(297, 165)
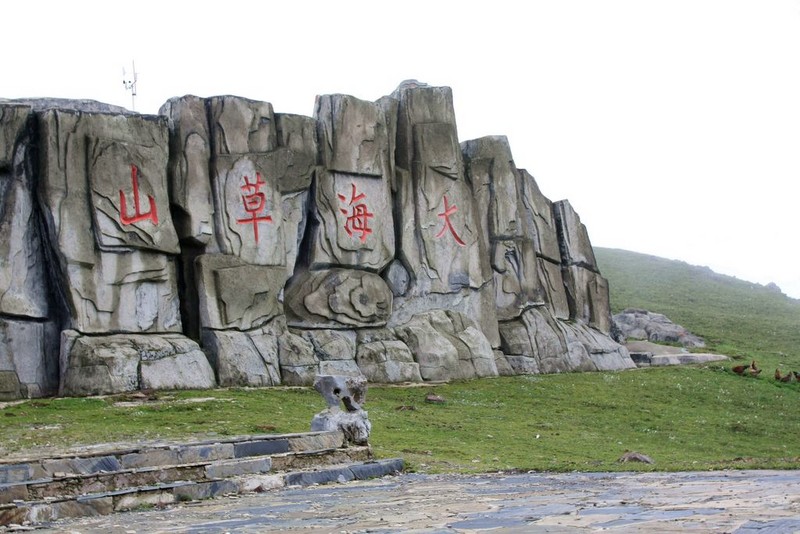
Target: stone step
point(104, 479)
point(42, 511)
point(73, 485)
point(90, 460)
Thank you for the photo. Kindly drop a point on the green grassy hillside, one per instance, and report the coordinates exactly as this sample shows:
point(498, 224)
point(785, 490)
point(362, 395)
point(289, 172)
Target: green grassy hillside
point(738, 318)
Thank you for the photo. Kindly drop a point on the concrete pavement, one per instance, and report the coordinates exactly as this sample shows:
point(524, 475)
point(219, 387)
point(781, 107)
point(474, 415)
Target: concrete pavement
point(717, 501)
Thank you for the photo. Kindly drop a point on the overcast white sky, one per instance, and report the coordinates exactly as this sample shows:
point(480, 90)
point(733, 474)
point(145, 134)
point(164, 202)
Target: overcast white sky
point(673, 127)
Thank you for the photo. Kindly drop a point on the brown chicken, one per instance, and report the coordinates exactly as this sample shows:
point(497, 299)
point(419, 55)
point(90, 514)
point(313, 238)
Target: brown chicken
point(753, 370)
point(740, 369)
point(746, 369)
point(783, 378)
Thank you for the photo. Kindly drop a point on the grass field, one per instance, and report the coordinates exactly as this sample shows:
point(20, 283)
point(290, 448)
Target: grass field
point(696, 417)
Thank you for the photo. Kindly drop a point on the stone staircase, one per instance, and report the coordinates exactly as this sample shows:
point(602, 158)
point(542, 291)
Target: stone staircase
point(106, 479)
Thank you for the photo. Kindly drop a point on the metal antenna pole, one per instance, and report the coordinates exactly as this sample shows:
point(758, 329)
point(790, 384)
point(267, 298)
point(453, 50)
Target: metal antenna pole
point(130, 85)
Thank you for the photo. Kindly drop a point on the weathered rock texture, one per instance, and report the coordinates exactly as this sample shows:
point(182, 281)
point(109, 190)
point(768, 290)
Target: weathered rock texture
point(634, 323)
point(221, 243)
point(345, 396)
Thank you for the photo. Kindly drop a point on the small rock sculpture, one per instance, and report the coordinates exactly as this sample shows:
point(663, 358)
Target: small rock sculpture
point(351, 392)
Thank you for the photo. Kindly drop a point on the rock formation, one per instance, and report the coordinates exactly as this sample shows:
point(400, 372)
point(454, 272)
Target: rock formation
point(634, 323)
point(221, 243)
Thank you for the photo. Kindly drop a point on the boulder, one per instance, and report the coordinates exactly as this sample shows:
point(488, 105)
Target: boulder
point(383, 358)
point(246, 358)
point(298, 362)
point(636, 323)
point(447, 346)
point(117, 363)
point(538, 343)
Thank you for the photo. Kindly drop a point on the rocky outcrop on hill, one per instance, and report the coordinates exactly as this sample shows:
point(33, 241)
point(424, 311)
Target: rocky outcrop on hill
point(221, 243)
point(634, 323)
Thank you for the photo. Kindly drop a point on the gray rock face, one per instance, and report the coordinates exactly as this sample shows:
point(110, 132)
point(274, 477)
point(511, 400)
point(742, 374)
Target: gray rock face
point(338, 298)
point(364, 241)
point(28, 339)
point(190, 181)
point(538, 215)
point(384, 359)
point(23, 281)
point(100, 365)
point(353, 195)
point(298, 137)
point(587, 294)
point(298, 360)
point(235, 294)
point(442, 245)
point(103, 186)
point(587, 291)
point(440, 233)
point(510, 234)
point(245, 182)
point(448, 346)
point(538, 343)
point(28, 358)
point(241, 177)
point(244, 358)
point(634, 323)
point(576, 249)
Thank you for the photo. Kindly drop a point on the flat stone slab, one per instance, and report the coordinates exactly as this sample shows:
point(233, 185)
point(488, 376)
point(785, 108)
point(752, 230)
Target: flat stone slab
point(685, 359)
point(716, 501)
point(649, 354)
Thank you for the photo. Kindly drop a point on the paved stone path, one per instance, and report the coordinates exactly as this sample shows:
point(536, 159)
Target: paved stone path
point(722, 501)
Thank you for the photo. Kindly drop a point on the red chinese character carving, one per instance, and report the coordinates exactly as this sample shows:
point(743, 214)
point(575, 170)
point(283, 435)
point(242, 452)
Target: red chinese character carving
point(357, 219)
point(448, 211)
point(254, 202)
point(137, 209)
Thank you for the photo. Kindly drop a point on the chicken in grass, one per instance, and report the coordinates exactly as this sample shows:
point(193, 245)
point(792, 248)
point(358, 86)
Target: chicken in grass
point(783, 378)
point(746, 369)
point(740, 369)
point(753, 370)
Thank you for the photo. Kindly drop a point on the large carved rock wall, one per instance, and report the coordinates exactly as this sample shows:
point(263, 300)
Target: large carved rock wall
point(221, 243)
